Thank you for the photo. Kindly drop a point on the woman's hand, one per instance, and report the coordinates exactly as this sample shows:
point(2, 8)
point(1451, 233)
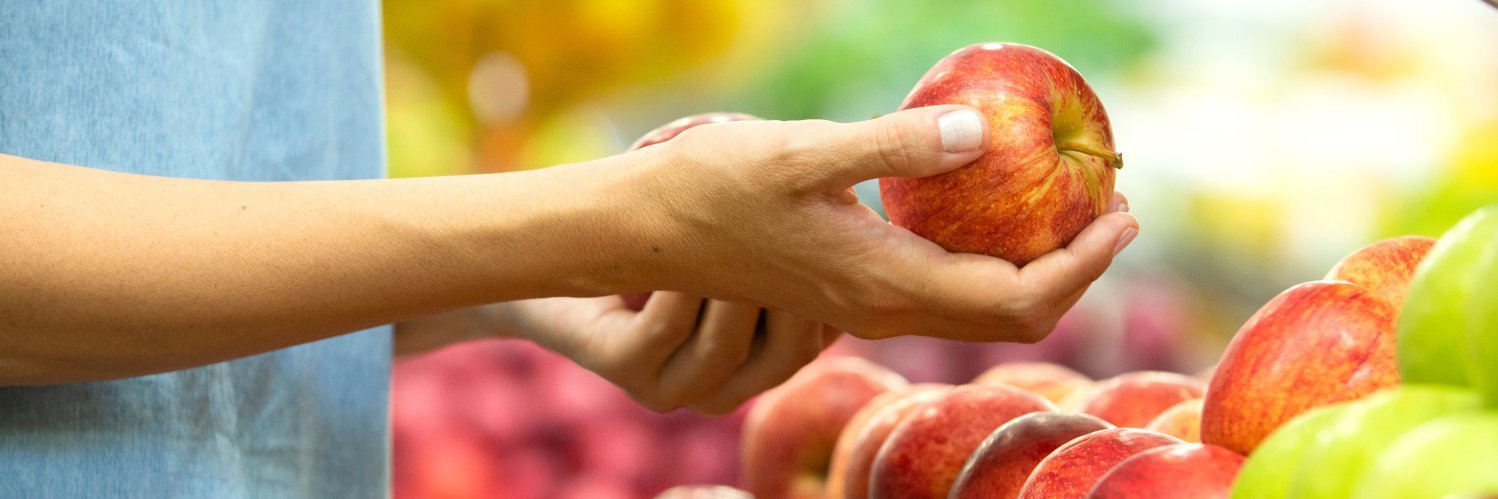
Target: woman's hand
point(680, 351)
point(763, 212)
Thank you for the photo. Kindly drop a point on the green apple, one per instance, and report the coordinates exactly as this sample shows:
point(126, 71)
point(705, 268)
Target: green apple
point(1344, 450)
point(1270, 469)
point(1433, 339)
point(1482, 330)
point(1453, 456)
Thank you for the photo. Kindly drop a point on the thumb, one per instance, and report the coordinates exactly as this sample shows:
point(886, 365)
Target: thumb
point(912, 143)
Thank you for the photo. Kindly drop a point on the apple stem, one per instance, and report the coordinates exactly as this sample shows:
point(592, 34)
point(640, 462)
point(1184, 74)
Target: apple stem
point(1114, 159)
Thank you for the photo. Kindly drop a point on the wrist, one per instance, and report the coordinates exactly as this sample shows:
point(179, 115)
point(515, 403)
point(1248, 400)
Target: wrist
point(630, 223)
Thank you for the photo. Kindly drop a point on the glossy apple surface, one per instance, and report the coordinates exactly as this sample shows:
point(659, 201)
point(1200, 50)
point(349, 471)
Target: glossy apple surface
point(1183, 471)
point(925, 452)
point(859, 442)
point(1434, 346)
point(1385, 267)
point(1453, 456)
point(1183, 421)
point(1132, 400)
point(1270, 471)
point(1343, 452)
point(1049, 166)
point(1315, 344)
point(1002, 463)
point(790, 431)
point(1074, 468)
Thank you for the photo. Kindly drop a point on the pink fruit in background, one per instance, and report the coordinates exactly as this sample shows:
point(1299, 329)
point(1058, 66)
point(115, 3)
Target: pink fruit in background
point(859, 442)
point(1072, 470)
point(925, 452)
point(791, 430)
point(1183, 421)
point(1052, 381)
point(1049, 166)
point(668, 131)
point(1385, 267)
point(1315, 344)
point(1132, 400)
point(1002, 463)
point(1184, 471)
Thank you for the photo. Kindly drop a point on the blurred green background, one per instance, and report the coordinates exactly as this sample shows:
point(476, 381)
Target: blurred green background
point(1265, 139)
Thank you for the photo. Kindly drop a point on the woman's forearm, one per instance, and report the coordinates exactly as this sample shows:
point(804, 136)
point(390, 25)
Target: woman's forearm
point(106, 275)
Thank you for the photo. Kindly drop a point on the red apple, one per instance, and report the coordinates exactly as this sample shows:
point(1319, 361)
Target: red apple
point(789, 433)
point(1315, 344)
point(1386, 267)
point(1185, 471)
point(1005, 459)
point(1183, 421)
point(853, 457)
point(1075, 467)
point(1049, 166)
point(636, 301)
point(1052, 381)
point(703, 492)
point(927, 449)
point(670, 130)
point(1132, 400)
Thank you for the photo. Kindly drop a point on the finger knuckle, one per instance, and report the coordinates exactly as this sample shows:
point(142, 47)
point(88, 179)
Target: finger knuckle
point(716, 352)
point(893, 144)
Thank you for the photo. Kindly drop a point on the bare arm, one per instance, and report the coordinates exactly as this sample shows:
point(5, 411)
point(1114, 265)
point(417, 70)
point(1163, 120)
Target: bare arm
point(107, 275)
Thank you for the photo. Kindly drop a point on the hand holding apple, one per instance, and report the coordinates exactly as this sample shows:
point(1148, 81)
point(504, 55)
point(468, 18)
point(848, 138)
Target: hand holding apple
point(762, 212)
point(1050, 160)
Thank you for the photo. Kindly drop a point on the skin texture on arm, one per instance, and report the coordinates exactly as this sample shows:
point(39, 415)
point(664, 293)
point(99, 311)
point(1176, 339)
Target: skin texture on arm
point(108, 275)
point(116, 275)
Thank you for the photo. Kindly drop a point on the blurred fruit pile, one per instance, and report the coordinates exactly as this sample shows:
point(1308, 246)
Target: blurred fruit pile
point(1379, 381)
point(1309, 391)
point(500, 419)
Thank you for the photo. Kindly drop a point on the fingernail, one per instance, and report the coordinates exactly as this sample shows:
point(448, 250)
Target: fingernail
point(961, 131)
point(1124, 239)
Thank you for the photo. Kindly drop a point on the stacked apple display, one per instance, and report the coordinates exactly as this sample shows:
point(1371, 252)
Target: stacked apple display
point(1328, 391)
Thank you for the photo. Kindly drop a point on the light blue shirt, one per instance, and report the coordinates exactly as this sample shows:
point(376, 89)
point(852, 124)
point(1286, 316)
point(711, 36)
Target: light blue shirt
point(258, 90)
